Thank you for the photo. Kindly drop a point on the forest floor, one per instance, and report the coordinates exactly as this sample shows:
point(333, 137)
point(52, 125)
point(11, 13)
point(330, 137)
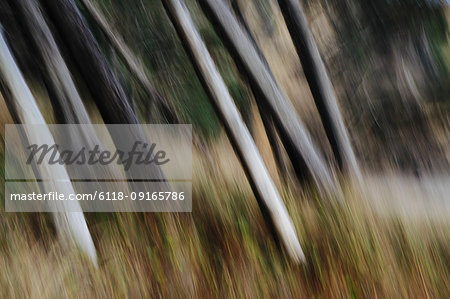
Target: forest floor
point(223, 248)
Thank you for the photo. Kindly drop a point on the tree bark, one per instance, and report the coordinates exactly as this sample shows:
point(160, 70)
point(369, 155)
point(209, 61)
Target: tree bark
point(103, 84)
point(267, 119)
point(263, 186)
point(65, 97)
point(134, 63)
point(294, 135)
point(320, 85)
point(69, 222)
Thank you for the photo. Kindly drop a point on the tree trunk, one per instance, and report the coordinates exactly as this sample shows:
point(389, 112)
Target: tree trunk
point(263, 186)
point(67, 103)
point(267, 119)
point(134, 63)
point(70, 223)
point(103, 84)
point(294, 135)
point(320, 85)
point(69, 106)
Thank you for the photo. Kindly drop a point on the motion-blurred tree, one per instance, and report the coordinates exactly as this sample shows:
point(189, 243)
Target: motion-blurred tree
point(149, 33)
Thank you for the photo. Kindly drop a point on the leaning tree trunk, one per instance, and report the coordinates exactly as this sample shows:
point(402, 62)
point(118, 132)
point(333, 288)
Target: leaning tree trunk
point(103, 84)
point(320, 85)
point(69, 222)
point(294, 135)
point(67, 102)
point(135, 65)
point(267, 119)
point(262, 184)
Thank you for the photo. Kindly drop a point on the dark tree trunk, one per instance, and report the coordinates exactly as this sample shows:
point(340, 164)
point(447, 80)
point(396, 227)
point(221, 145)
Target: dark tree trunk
point(263, 186)
point(294, 135)
point(135, 65)
point(102, 83)
point(66, 101)
point(320, 85)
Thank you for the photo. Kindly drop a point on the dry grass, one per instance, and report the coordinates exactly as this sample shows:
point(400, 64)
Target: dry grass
point(223, 249)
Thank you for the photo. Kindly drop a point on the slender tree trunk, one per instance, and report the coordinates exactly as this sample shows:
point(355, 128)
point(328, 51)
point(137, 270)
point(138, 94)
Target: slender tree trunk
point(263, 186)
point(53, 67)
point(134, 64)
point(320, 85)
point(294, 135)
point(267, 119)
point(67, 103)
point(69, 222)
point(103, 84)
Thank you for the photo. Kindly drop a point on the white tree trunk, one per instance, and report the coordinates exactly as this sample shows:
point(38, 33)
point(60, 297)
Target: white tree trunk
point(243, 143)
point(71, 226)
point(295, 136)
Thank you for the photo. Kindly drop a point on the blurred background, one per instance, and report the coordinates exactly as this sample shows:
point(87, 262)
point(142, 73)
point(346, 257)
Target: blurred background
point(389, 63)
